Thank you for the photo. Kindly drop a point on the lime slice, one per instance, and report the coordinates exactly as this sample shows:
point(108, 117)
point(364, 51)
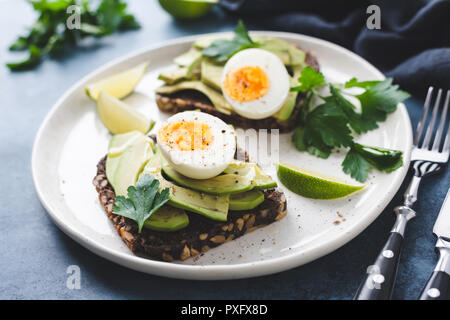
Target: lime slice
point(312, 184)
point(187, 9)
point(119, 117)
point(120, 84)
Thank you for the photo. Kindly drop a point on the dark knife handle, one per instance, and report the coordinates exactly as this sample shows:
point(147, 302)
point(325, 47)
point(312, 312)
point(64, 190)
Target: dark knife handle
point(380, 277)
point(436, 287)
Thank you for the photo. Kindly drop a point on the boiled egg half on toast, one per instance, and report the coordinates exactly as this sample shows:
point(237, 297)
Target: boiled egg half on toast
point(256, 83)
point(196, 144)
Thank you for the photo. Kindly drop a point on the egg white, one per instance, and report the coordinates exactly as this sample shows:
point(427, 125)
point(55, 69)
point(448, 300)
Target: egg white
point(279, 83)
point(206, 163)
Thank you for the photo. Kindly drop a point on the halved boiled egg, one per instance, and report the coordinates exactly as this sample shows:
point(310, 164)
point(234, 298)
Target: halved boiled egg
point(196, 144)
point(256, 83)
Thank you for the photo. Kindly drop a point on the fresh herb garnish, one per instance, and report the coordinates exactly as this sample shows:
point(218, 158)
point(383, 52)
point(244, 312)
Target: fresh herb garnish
point(331, 123)
point(50, 36)
point(143, 200)
point(222, 49)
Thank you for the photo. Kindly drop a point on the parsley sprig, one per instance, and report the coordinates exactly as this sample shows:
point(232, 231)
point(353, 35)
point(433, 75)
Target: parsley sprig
point(143, 200)
point(222, 49)
point(50, 36)
point(333, 123)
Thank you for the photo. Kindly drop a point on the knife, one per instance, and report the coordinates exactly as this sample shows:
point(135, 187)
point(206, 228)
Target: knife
point(438, 284)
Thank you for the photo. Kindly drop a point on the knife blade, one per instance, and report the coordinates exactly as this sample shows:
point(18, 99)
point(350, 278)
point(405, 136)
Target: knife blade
point(442, 225)
point(438, 285)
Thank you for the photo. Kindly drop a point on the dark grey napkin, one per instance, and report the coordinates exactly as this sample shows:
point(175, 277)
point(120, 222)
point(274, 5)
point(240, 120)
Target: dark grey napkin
point(412, 46)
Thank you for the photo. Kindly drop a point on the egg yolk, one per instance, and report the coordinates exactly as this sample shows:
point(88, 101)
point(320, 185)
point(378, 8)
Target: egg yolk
point(186, 135)
point(246, 84)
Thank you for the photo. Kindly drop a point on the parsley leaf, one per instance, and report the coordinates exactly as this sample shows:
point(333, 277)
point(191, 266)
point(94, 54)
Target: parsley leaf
point(143, 200)
point(309, 78)
point(223, 49)
point(51, 36)
point(356, 166)
point(353, 82)
point(383, 159)
point(361, 158)
point(380, 99)
point(357, 122)
point(326, 127)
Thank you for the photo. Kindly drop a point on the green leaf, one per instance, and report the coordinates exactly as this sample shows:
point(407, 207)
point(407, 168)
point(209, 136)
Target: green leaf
point(328, 124)
point(309, 78)
point(361, 158)
point(353, 82)
point(380, 99)
point(109, 14)
point(357, 122)
point(222, 49)
point(143, 200)
point(383, 159)
point(33, 59)
point(298, 139)
point(20, 44)
point(129, 22)
point(241, 35)
point(356, 166)
point(49, 35)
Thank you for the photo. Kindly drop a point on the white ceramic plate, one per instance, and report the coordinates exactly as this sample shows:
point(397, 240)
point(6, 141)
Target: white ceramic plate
point(72, 139)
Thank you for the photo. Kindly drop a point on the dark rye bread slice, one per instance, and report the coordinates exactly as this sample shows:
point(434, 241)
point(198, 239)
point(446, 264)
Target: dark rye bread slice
point(199, 236)
point(191, 99)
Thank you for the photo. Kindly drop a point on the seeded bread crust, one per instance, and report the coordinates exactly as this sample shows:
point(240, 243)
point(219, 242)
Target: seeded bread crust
point(191, 100)
point(199, 236)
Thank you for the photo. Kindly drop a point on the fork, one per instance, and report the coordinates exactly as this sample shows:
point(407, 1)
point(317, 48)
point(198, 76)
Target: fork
point(425, 159)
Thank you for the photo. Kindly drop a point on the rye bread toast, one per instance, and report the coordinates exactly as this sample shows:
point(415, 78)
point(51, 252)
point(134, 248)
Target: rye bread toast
point(191, 100)
point(199, 236)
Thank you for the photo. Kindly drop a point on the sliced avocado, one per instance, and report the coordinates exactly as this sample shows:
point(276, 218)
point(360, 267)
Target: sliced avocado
point(111, 168)
point(272, 46)
point(117, 145)
point(174, 75)
point(216, 98)
point(287, 52)
point(119, 142)
point(211, 74)
point(186, 59)
point(204, 42)
point(261, 180)
point(167, 219)
point(193, 70)
point(187, 72)
point(246, 200)
point(130, 165)
point(222, 184)
point(297, 56)
point(289, 104)
point(214, 207)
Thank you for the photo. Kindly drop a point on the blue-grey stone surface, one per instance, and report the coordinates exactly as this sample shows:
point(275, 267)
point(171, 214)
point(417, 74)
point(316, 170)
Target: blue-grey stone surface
point(34, 253)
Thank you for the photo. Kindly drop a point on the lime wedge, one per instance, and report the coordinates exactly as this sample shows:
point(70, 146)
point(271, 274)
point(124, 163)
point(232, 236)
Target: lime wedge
point(120, 84)
point(187, 9)
point(119, 117)
point(312, 184)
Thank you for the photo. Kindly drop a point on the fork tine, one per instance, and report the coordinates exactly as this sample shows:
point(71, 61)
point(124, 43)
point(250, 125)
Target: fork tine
point(426, 140)
point(437, 139)
point(421, 124)
point(446, 147)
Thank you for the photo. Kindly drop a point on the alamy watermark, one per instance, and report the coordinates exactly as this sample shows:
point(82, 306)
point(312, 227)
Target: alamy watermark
point(73, 281)
point(73, 22)
point(374, 20)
